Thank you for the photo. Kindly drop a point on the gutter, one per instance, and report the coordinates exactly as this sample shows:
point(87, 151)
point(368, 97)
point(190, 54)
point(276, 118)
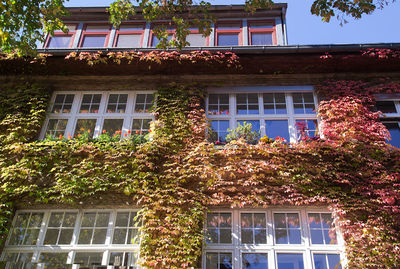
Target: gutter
point(291, 49)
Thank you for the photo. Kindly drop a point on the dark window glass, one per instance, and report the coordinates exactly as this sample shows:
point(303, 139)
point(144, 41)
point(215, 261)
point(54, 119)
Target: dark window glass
point(228, 39)
point(91, 41)
point(218, 260)
point(254, 261)
point(277, 128)
point(386, 106)
point(290, 261)
point(261, 39)
point(327, 261)
point(129, 41)
point(394, 130)
point(60, 42)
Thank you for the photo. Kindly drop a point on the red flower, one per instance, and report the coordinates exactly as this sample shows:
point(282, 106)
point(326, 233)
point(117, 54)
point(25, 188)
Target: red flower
point(125, 134)
point(104, 131)
point(61, 137)
point(129, 131)
point(137, 132)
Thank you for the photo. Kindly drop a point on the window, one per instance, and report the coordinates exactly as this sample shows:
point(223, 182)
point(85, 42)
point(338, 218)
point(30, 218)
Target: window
point(61, 39)
point(228, 33)
point(95, 113)
point(196, 39)
point(95, 36)
point(62, 238)
point(273, 238)
point(129, 36)
point(274, 114)
point(154, 40)
point(261, 33)
point(389, 105)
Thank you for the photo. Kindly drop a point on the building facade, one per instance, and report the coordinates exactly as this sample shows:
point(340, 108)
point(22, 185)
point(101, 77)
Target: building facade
point(102, 83)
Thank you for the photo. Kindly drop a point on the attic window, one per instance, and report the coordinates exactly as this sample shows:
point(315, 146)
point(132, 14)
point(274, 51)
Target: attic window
point(129, 36)
point(61, 39)
point(95, 36)
point(261, 33)
point(229, 33)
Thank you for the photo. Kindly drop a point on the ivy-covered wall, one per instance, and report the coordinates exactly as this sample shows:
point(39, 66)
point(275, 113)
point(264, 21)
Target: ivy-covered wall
point(175, 176)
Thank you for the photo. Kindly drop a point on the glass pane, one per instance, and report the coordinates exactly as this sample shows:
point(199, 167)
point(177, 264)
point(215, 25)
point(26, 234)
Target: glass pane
point(281, 236)
point(225, 236)
point(386, 106)
point(155, 40)
point(69, 219)
point(17, 236)
point(56, 219)
point(294, 236)
point(314, 220)
point(212, 261)
point(290, 261)
point(60, 42)
point(85, 125)
point(255, 261)
point(277, 128)
point(99, 236)
point(129, 41)
point(394, 130)
point(102, 219)
point(259, 220)
point(91, 41)
point(247, 236)
point(88, 259)
point(246, 220)
point(334, 261)
point(255, 124)
point(85, 236)
point(97, 28)
point(228, 39)
point(119, 236)
point(228, 26)
point(53, 260)
point(31, 236)
point(36, 220)
point(260, 236)
point(55, 128)
point(65, 236)
point(327, 221)
point(122, 219)
point(112, 126)
point(261, 39)
point(19, 260)
point(212, 235)
point(280, 220)
point(293, 220)
point(131, 27)
point(225, 220)
point(133, 236)
point(261, 25)
point(88, 219)
point(196, 40)
point(320, 261)
point(212, 220)
point(51, 237)
point(316, 237)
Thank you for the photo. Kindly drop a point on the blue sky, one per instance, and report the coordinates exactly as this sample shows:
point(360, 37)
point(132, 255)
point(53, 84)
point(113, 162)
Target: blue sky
point(383, 26)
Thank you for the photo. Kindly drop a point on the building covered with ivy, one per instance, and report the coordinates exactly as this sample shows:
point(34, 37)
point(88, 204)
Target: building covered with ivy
point(238, 151)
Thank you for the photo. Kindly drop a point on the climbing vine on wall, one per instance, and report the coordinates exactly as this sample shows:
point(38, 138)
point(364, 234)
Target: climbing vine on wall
point(178, 174)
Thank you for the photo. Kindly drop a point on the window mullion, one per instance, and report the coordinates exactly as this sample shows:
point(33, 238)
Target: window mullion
point(291, 119)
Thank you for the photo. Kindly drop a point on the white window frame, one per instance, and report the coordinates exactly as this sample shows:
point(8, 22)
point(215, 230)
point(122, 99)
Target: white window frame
point(74, 247)
point(290, 116)
point(271, 248)
point(390, 117)
point(74, 115)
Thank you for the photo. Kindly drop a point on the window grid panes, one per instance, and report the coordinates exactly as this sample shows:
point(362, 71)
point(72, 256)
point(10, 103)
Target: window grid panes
point(56, 127)
point(256, 240)
point(219, 228)
point(56, 243)
point(271, 113)
point(63, 103)
point(322, 228)
point(97, 113)
point(391, 118)
point(143, 103)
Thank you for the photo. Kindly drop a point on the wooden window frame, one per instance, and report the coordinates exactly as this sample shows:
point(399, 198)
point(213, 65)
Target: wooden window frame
point(119, 32)
point(238, 31)
point(72, 34)
point(262, 31)
point(95, 33)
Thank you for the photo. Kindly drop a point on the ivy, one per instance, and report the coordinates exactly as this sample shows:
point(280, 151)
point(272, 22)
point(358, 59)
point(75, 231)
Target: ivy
point(176, 175)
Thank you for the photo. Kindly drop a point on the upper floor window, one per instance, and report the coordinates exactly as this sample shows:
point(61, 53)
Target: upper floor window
point(291, 238)
point(228, 33)
point(261, 33)
point(196, 39)
point(49, 239)
point(273, 114)
point(115, 113)
point(61, 39)
point(129, 36)
point(95, 36)
point(154, 40)
point(390, 107)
